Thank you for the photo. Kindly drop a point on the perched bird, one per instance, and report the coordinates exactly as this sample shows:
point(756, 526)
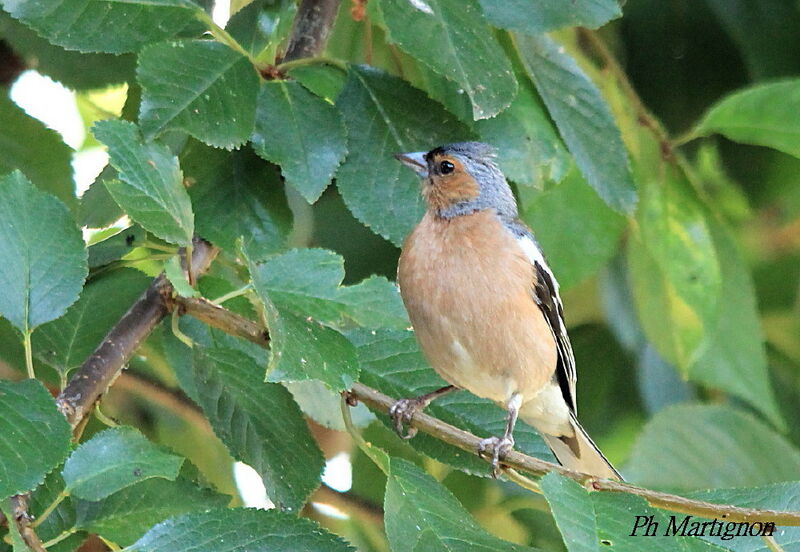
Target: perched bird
point(485, 306)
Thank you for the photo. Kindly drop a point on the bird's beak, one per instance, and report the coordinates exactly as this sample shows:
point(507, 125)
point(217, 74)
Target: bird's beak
point(415, 161)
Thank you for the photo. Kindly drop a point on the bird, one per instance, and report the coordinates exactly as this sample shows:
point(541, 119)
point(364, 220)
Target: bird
point(485, 307)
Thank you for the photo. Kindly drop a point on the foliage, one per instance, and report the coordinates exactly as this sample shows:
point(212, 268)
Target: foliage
point(661, 183)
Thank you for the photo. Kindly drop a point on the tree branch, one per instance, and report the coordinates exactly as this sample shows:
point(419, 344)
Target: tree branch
point(238, 326)
point(222, 319)
point(310, 28)
point(22, 521)
point(99, 371)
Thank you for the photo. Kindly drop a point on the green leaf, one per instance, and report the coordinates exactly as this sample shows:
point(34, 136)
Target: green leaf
point(732, 356)
point(126, 515)
point(592, 522)
point(84, 24)
point(65, 343)
point(540, 16)
point(236, 195)
point(119, 244)
point(529, 151)
point(674, 266)
point(150, 188)
point(384, 116)
point(422, 515)
point(763, 115)
point(29, 420)
point(701, 446)
point(178, 277)
point(199, 86)
point(239, 530)
point(453, 39)
point(27, 145)
point(299, 290)
point(302, 133)
point(42, 255)
point(15, 538)
point(97, 209)
point(572, 208)
point(74, 70)
point(260, 23)
point(114, 459)
point(583, 118)
point(325, 81)
point(259, 423)
point(392, 363)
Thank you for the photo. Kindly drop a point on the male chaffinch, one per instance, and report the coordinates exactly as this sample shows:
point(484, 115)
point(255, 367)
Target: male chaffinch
point(485, 306)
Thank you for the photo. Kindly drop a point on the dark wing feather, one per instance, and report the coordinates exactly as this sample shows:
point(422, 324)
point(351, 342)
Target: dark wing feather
point(546, 295)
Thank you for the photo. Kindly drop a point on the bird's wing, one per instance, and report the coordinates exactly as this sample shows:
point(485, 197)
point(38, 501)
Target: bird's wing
point(545, 293)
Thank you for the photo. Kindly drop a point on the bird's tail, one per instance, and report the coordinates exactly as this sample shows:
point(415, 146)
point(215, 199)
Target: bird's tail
point(579, 453)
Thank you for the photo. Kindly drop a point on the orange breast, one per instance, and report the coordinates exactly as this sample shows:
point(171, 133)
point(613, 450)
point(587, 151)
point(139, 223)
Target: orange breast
point(467, 286)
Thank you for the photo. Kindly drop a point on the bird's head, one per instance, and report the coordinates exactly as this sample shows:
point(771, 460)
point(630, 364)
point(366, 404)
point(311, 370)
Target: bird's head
point(460, 179)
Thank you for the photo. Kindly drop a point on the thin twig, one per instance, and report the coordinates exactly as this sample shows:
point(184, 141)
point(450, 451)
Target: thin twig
point(19, 510)
point(220, 318)
point(236, 325)
point(100, 370)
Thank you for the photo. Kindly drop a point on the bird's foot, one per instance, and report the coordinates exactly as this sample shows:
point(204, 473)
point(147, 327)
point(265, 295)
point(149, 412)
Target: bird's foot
point(495, 448)
point(401, 414)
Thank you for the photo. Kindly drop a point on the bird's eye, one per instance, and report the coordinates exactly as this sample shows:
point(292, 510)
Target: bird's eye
point(446, 167)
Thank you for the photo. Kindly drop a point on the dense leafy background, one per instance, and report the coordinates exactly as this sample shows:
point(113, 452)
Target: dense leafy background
point(653, 147)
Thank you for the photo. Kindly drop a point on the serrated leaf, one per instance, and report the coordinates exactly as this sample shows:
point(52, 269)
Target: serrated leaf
point(125, 516)
point(42, 255)
point(529, 151)
point(323, 80)
point(763, 115)
point(259, 423)
point(592, 522)
point(423, 516)
point(84, 24)
point(572, 208)
point(732, 356)
point(29, 419)
point(540, 16)
point(392, 363)
point(97, 209)
point(26, 144)
point(383, 116)
point(199, 86)
point(239, 530)
point(65, 343)
point(150, 188)
point(114, 459)
point(700, 446)
point(674, 266)
point(74, 70)
point(302, 133)
point(583, 118)
point(236, 195)
point(453, 39)
point(306, 306)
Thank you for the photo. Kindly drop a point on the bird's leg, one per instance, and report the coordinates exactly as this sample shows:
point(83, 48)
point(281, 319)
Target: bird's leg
point(403, 410)
point(498, 447)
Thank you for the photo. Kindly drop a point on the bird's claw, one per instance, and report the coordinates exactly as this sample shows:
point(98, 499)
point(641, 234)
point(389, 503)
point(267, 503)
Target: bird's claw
point(495, 448)
point(401, 413)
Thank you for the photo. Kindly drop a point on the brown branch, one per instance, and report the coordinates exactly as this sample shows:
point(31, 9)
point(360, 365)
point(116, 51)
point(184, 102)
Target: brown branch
point(310, 28)
point(236, 325)
point(22, 521)
point(99, 371)
point(222, 319)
